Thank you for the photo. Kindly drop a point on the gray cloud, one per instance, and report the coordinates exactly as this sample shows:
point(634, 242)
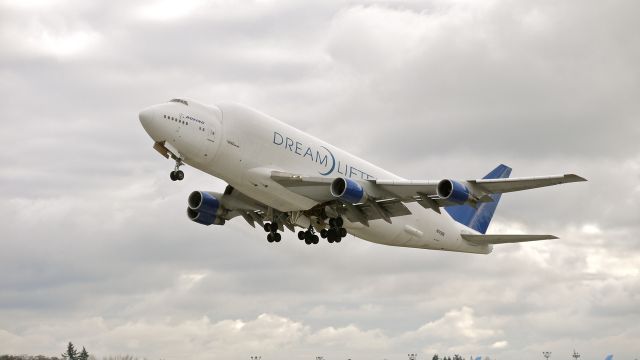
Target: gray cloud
point(96, 248)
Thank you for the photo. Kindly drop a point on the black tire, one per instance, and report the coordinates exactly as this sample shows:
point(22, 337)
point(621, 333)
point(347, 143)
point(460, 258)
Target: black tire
point(332, 222)
point(274, 227)
point(172, 176)
point(323, 233)
point(330, 239)
point(339, 222)
point(343, 232)
point(179, 175)
point(277, 237)
point(316, 239)
point(301, 235)
point(267, 227)
point(338, 239)
point(270, 237)
point(307, 241)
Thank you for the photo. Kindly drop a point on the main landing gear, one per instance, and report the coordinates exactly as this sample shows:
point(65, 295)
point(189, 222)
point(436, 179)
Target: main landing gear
point(273, 234)
point(336, 232)
point(177, 174)
point(308, 236)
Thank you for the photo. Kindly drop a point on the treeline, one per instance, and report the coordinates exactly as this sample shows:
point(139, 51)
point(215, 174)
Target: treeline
point(42, 357)
point(455, 357)
point(27, 357)
point(70, 354)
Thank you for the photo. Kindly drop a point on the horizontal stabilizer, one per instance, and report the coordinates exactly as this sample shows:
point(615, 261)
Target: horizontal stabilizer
point(504, 239)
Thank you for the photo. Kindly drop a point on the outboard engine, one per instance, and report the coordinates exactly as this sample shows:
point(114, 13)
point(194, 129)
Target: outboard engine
point(204, 209)
point(348, 190)
point(453, 191)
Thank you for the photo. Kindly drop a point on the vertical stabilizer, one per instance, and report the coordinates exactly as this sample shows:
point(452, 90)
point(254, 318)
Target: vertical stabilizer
point(479, 218)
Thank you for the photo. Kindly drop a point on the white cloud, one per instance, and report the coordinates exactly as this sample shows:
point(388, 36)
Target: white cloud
point(456, 324)
point(500, 344)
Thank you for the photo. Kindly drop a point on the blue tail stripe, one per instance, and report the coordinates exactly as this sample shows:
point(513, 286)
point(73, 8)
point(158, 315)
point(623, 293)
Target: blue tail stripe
point(480, 217)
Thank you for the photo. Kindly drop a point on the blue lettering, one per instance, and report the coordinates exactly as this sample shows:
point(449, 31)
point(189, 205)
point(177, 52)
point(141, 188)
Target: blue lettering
point(308, 151)
point(275, 136)
point(323, 160)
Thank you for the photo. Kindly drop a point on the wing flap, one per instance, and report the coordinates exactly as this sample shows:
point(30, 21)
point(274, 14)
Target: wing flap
point(504, 239)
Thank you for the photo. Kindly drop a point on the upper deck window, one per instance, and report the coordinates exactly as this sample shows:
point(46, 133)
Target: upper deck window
point(180, 101)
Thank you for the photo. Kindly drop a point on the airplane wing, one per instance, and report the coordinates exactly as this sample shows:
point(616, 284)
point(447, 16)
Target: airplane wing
point(386, 198)
point(499, 186)
point(482, 187)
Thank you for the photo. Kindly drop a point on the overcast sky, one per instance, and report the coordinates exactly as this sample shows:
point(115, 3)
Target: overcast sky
point(95, 246)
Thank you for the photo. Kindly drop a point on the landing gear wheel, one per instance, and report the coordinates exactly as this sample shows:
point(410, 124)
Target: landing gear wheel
point(338, 239)
point(323, 233)
point(277, 237)
point(267, 227)
point(301, 235)
point(332, 222)
point(332, 235)
point(273, 227)
point(177, 174)
point(343, 232)
point(270, 237)
point(315, 239)
point(338, 222)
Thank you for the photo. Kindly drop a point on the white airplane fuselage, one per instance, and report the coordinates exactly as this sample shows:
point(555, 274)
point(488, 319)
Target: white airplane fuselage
point(243, 146)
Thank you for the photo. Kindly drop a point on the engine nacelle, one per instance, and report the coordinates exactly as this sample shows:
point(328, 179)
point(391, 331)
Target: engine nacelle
point(348, 190)
point(204, 208)
point(453, 191)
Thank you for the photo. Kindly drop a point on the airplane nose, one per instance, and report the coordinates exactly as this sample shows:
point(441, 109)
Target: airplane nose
point(150, 123)
point(146, 117)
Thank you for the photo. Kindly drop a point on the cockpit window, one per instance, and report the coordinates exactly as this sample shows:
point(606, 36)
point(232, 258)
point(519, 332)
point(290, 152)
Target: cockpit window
point(180, 101)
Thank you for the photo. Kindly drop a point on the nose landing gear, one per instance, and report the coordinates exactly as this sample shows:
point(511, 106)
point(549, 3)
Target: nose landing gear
point(177, 174)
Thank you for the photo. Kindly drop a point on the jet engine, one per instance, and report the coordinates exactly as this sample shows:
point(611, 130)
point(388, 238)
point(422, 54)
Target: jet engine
point(348, 190)
point(204, 208)
point(453, 191)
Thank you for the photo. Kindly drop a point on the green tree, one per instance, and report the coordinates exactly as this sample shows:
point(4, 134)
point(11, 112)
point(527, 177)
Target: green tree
point(72, 353)
point(84, 355)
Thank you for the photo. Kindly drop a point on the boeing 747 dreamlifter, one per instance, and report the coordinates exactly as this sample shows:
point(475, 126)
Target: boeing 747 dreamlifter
point(281, 177)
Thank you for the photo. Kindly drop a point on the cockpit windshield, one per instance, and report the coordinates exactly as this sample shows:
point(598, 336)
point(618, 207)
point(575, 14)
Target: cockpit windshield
point(180, 101)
